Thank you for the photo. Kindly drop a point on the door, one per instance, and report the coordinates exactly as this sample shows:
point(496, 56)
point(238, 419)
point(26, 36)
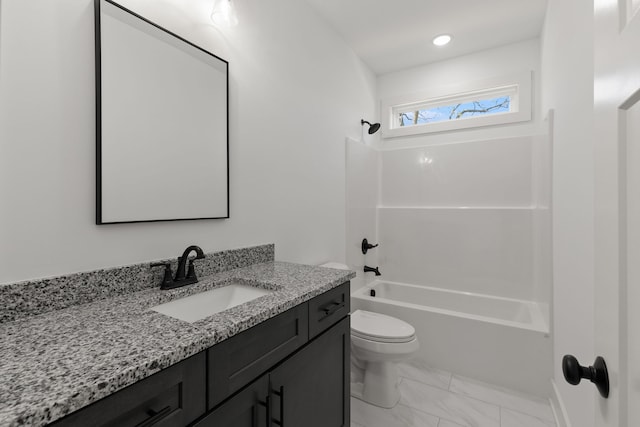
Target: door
point(311, 388)
point(617, 199)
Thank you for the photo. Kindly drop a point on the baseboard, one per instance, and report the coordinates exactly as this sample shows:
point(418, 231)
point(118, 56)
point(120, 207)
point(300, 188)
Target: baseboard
point(559, 411)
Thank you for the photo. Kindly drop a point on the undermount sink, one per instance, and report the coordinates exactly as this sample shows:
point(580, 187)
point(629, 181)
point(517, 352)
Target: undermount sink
point(204, 304)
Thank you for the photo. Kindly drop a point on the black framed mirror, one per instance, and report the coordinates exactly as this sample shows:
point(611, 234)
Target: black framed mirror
point(162, 123)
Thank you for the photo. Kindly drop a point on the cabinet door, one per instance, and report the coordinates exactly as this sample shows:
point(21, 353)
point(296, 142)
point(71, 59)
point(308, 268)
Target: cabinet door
point(246, 409)
point(311, 388)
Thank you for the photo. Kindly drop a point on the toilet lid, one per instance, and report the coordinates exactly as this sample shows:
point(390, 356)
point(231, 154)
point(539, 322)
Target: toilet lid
point(379, 327)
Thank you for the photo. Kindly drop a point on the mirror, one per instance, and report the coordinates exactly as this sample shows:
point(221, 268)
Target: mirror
point(162, 123)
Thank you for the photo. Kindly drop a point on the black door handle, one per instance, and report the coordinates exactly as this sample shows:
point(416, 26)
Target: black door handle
point(597, 373)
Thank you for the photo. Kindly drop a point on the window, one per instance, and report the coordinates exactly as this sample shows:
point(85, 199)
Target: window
point(491, 102)
point(454, 108)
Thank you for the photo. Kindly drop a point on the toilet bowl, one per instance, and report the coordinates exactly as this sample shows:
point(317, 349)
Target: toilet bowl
point(377, 342)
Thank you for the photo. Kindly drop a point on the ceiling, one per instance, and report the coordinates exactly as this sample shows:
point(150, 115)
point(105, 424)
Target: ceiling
point(392, 35)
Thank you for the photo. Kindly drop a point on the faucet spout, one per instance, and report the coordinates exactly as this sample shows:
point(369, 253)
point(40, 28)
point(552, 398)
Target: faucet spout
point(182, 264)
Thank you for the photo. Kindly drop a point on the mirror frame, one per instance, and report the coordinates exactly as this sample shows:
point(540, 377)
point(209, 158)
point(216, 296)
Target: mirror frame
point(98, 83)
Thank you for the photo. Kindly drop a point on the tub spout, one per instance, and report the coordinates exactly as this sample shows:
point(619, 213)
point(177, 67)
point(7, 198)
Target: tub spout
point(373, 270)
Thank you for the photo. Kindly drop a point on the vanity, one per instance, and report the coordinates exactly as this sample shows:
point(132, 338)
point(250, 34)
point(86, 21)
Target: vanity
point(94, 349)
point(290, 370)
point(281, 359)
point(106, 347)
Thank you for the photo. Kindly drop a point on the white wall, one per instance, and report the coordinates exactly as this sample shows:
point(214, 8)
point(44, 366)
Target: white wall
point(504, 60)
point(567, 87)
point(296, 91)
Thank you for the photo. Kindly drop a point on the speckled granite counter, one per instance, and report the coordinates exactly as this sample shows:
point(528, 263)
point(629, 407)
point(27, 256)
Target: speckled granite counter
point(58, 362)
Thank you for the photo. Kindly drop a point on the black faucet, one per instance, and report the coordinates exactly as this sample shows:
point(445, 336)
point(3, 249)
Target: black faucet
point(182, 262)
point(181, 278)
point(371, 269)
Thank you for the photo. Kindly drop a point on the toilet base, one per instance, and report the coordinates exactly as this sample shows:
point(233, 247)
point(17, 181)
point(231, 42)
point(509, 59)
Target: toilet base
point(380, 386)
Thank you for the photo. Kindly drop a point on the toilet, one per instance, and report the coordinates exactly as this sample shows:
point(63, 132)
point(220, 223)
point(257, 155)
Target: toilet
point(378, 341)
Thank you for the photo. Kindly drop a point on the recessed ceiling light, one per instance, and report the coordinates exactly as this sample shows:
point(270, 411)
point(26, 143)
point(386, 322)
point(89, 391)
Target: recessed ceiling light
point(441, 40)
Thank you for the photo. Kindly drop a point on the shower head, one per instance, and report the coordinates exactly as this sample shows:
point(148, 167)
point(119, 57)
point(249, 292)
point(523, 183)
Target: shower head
point(373, 128)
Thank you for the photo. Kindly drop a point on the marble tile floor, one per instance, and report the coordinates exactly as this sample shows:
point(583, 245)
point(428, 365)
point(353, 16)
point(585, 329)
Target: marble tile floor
point(435, 398)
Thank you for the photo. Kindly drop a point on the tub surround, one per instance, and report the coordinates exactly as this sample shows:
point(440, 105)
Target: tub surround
point(64, 359)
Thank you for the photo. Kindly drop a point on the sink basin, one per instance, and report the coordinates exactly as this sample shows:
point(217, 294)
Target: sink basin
point(198, 306)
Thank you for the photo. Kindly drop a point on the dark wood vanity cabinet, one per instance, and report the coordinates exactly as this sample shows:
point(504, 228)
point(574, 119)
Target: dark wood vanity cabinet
point(308, 389)
point(289, 371)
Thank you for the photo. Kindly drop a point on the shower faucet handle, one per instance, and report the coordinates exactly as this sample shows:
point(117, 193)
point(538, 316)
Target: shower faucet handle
point(366, 246)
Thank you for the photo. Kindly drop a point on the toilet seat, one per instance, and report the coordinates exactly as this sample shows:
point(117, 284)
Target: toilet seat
point(377, 350)
point(380, 328)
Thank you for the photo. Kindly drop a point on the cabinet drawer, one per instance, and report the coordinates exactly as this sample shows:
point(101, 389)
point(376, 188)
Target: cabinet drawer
point(328, 308)
point(242, 358)
point(173, 397)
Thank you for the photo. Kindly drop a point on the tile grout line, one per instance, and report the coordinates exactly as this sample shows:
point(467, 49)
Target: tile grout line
point(456, 394)
point(460, 394)
point(406, 405)
point(502, 406)
point(421, 382)
point(543, 420)
point(499, 406)
point(499, 389)
point(432, 385)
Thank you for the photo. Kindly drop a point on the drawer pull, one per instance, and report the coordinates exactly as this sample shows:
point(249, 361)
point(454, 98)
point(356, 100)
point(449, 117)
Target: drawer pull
point(331, 308)
point(280, 394)
point(154, 416)
point(266, 404)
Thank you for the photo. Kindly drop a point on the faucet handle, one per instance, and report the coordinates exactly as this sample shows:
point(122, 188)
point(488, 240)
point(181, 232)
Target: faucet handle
point(167, 281)
point(366, 246)
point(191, 273)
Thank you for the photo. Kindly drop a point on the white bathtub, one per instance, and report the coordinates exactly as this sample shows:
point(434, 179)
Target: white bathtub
point(499, 340)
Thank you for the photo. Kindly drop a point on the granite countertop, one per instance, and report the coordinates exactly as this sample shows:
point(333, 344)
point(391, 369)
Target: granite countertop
point(58, 362)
